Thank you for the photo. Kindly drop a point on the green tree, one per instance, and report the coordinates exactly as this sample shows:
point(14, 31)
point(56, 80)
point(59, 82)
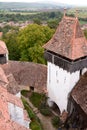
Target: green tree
point(10, 39)
point(30, 42)
point(37, 21)
point(53, 23)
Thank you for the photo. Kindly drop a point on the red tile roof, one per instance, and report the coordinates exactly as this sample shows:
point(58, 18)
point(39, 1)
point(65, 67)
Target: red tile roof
point(27, 73)
point(79, 93)
point(14, 100)
point(1, 33)
point(3, 77)
point(3, 48)
point(68, 40)
point(5, 121)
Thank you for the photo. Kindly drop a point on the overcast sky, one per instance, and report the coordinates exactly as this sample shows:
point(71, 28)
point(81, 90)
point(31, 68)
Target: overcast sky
point(72, 2)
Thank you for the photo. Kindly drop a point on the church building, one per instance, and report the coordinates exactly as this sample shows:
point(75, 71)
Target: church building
point(66, 55)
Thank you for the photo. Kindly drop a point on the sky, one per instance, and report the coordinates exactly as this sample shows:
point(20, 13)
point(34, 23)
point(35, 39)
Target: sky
point(71, 2)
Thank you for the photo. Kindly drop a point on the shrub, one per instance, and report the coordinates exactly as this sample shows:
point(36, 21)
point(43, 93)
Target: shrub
point(35, 126)
point(29, 110)
point(36, 99)
point(25, 93)
point(35, 121)
point(56, 121)
point(45, 111)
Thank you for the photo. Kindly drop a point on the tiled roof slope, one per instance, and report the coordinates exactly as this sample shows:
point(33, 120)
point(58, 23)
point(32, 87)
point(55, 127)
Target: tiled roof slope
point(79, 93)
point(12, 86)
point(68, 40)
point(3, 48)
point(5, 122)
point(3, 78)
point(27, 73)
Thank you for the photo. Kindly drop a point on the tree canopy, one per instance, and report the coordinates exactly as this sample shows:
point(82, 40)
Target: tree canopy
point(26, 44)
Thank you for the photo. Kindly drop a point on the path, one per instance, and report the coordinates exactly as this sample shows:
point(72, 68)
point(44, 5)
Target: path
point(46, 121)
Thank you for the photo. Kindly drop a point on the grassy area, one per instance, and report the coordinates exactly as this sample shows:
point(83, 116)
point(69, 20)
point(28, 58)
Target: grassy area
point(34, 125)
point(37, 98)
point(82, 22)
point(35, 122)
point(56, 121)
point(39, 101)
point(25, 93)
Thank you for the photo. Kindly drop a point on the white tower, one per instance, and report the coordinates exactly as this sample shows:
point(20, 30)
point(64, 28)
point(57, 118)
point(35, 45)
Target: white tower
point(66, 55)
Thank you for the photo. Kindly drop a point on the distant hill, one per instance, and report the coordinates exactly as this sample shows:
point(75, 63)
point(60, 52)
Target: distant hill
point(29, 6)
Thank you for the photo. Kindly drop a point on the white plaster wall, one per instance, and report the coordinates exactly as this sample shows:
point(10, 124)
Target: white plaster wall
point(84, 70)
point(18, 95)
point(17, 114)
point(7, 57)
point(59, 85)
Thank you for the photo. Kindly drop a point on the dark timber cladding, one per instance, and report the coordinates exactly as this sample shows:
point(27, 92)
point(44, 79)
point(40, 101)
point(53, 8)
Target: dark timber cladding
point(66, 64)
point(3, 59)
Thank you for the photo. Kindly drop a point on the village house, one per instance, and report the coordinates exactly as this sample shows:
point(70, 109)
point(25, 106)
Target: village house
point(12, 113)
point(14, 77)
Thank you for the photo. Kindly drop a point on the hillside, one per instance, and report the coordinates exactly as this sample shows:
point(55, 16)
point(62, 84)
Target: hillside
point(29, 6)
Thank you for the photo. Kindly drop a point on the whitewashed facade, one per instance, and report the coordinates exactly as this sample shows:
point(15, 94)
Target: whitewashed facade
point(17, 114)
point(59, 85)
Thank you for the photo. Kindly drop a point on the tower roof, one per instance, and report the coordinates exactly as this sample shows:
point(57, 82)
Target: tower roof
point(68, 40)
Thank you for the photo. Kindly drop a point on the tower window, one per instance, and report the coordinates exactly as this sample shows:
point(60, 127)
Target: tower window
point(80, 72)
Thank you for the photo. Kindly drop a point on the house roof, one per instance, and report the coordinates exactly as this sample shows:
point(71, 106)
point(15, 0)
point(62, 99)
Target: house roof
point(3, 78)
point(68, 40)
point(3, 48)
point(1, 33)
point(5, 121)
point(12, 86)
point(79, 93)
point(27, 73)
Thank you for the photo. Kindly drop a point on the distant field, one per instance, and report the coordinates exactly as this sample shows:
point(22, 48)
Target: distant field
point(82, 12)
point(22, 13)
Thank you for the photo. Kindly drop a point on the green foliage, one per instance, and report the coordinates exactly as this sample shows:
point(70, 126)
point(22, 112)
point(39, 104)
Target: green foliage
point(20, 15)
point(35, 125)
point(35, 122)
point(29, 110)
point(37, 21)
point(53, 23)
point(30, 42)
point(56, 121)
point(26, 44)
point(36, 99)
point(39, 101)
point(85, 33)
point(25, 93)
point(46, 111)
point(10, 39)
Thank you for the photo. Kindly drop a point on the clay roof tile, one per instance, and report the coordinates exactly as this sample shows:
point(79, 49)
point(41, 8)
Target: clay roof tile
point(3, 48)
point(68, 40)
